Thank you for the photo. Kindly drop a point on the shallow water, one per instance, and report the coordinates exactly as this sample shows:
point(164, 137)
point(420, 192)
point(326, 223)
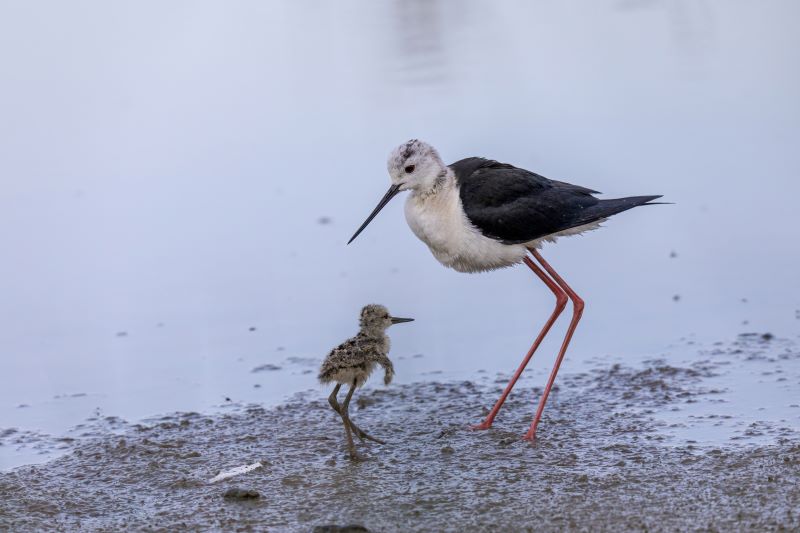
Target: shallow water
point(605, 459)
point(174, 177)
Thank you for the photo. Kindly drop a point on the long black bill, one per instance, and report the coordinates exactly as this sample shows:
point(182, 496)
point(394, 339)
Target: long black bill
point(393, 190)
point(396, 320)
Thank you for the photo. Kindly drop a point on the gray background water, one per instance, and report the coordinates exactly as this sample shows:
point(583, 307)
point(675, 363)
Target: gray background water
point(166, 170)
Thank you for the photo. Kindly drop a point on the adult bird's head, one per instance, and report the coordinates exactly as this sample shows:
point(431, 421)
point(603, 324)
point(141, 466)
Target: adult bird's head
point(414, 165)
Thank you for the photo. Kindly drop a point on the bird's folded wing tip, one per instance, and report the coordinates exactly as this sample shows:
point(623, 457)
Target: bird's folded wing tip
point(656, 197)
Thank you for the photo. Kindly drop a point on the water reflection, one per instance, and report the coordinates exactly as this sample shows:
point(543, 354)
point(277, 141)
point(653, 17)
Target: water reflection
point(421, 36)
point(691, 24)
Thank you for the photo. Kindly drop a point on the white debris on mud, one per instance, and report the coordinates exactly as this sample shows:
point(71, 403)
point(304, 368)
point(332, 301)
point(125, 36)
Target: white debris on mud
point(238, 471)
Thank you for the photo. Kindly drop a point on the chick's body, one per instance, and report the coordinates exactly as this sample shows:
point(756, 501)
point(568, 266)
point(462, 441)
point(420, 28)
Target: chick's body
point(352, 362)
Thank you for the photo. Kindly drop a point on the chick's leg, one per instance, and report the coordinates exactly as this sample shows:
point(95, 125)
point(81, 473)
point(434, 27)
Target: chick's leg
point(360, 433)
point(346, 421)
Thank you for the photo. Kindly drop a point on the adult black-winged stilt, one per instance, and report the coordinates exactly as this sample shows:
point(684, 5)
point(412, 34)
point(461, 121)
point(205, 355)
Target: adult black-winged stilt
point(352, 362)
point(477, 215)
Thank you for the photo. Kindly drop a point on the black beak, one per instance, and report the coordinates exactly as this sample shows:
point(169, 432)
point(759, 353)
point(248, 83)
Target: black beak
point(396, 320)
point(393, 190)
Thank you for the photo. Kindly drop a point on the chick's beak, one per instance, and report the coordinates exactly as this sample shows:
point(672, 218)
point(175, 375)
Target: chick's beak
point(397, 320)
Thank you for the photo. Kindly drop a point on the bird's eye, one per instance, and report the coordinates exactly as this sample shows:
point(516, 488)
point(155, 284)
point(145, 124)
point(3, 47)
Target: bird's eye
point(409, 169)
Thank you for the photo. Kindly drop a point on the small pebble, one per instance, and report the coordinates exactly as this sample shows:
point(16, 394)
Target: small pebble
point(241, 494)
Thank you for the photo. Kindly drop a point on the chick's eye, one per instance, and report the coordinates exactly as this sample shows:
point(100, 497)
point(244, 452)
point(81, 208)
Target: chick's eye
point(409, 169)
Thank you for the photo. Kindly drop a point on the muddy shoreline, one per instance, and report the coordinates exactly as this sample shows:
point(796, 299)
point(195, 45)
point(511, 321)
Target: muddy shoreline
point(602, 461)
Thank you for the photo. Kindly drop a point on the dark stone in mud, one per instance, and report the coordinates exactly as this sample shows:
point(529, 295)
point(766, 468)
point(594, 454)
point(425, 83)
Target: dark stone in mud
point(241, 494)
point(340, 529)
point(364, 401)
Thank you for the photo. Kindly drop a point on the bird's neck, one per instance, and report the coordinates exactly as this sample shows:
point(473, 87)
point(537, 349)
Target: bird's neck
point(376, 333)
point(434, 185)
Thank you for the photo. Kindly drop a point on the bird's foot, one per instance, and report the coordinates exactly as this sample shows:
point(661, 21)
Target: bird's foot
point(486, 424)
point(361, 434)
point(530, 436)
point(355, 457)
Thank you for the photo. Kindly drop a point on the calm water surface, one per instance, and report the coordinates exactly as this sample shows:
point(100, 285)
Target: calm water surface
point(179, 183)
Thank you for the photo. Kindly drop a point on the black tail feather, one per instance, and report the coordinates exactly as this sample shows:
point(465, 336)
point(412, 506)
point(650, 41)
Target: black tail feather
point(606, 208)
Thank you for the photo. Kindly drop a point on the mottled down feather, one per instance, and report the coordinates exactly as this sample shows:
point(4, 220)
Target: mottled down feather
point(355, 359)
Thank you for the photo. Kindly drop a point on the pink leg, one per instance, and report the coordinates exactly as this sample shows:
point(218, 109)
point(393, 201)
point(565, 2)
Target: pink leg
point(577, 311)
point(561, 302)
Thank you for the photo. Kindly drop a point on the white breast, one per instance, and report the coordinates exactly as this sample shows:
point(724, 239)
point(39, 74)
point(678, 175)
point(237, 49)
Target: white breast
point(440, 222)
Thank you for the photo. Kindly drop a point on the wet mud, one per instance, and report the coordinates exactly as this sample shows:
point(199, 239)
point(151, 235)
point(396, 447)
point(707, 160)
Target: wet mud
point(605, 459)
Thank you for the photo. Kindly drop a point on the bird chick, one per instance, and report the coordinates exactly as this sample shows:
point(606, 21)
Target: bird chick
point(352, 362)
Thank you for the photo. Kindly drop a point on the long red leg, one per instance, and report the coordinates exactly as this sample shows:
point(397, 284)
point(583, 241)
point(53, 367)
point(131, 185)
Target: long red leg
point(561, 302)
point(577, 311)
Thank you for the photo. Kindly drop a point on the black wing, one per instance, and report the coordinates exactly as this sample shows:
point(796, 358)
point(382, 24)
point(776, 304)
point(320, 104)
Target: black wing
point(514, 205)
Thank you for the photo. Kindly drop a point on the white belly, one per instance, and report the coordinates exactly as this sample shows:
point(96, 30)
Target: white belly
point(439, 221)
